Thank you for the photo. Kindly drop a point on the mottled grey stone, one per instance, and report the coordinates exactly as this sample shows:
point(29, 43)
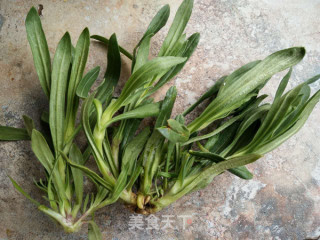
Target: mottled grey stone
point(1, 21)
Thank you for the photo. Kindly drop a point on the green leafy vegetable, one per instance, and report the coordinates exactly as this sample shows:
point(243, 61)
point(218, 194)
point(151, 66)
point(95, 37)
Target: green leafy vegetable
point(149, 167)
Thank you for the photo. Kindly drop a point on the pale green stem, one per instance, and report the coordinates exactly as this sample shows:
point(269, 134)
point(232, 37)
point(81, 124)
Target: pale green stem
point(66, 222)
point(128, 197)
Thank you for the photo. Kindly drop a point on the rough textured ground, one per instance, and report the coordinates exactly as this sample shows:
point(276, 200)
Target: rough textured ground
point(283, 199)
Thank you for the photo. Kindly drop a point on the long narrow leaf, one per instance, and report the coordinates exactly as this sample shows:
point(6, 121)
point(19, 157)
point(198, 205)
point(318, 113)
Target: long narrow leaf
point(76, 156)
point(158, 21)
point(241, 171)
point(78, 65)
point(40, 50)
point(247, 83)
point(273, 143)
point(166, 107)
point(112, 74)
point(87, 82)
point(60, 72)
point(143, 53)
point(45, 156)
point(23, 192)
point(91, 174)
point(178, 25)
point(134, 148)
point(192, 44)
point(233, 77)
point(85, 115)
point(215, 170)
point(156, 67)
point(148, 110)
point(13, 134)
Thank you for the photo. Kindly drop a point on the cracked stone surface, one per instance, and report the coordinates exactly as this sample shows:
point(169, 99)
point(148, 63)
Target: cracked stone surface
point(283, 199)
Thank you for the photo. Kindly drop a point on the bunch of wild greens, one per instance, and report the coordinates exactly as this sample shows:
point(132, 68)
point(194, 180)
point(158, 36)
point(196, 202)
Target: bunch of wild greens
point(247, 129)
point(151, 168)
point(116, 149)
point(62, 185)
point(64, 85)
point(158, 166)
